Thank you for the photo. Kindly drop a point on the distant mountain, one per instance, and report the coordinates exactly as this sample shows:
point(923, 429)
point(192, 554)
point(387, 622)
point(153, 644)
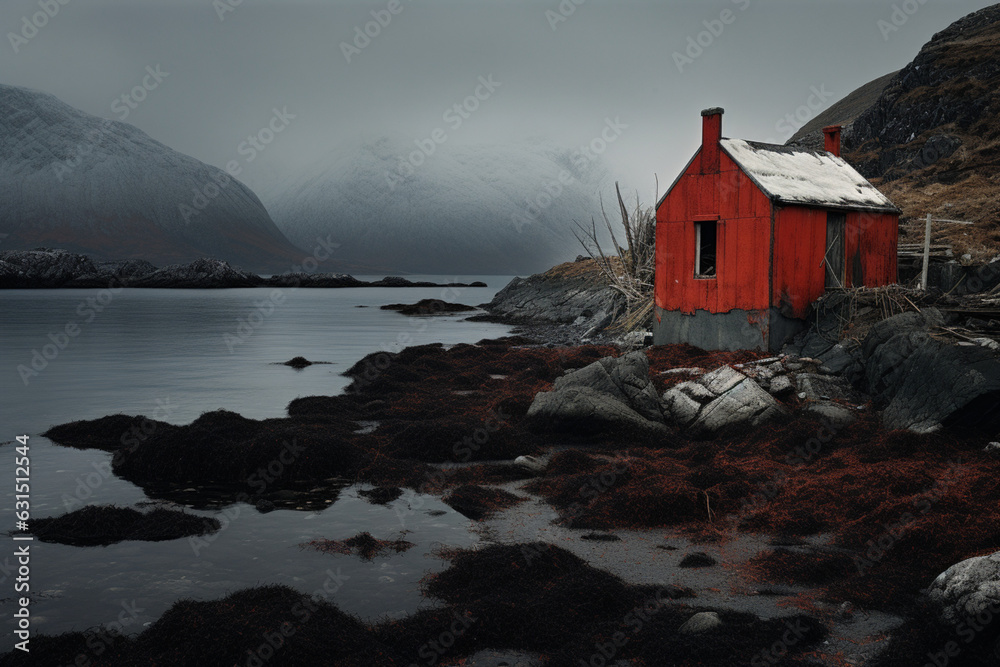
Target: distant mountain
point(498, 209)
point(104, 188)
point(931, 139)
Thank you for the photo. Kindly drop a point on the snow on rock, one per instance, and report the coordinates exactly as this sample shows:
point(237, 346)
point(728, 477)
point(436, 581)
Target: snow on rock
point(104, 188)
point(476, 209)
point(798, 176)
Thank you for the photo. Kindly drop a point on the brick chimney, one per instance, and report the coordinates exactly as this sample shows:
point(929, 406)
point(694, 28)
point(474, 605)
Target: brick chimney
point(832, 135)
point(711, 132)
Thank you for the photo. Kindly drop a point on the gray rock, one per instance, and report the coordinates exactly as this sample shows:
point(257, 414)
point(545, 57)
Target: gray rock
point(532, 463)
point(684, 371)
point(703, 621)
point(764, 373)
point(968, 588)
point(987, 342)
point(721, 398)
point(680, 407)
point(625, 378)
point(817, 387)
point(696, 391)
point(721, 380)
point(42, 268)
point(559, 297)
point(781, 385)
point(202, 273)
point(745, 403)
point(835, 414)
point(608, 394)
point(585, 410)
point(922, 383)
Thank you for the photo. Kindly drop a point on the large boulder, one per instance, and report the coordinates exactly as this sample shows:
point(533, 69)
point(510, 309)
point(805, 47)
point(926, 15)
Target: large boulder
point(608, 395)
point(922, 383)
point(717, 400)
point(968, 589)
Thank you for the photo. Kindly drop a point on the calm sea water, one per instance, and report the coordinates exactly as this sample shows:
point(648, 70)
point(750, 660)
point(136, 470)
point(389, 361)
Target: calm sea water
point(172, 355)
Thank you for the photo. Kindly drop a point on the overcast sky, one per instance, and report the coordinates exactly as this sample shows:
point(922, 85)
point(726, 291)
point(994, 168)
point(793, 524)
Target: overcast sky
point(563, 69)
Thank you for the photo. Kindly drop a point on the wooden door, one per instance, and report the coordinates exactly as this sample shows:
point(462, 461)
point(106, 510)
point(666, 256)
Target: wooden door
point(834, 257)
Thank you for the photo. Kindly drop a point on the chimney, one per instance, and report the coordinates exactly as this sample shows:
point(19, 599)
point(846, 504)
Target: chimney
point(711, 132)
point(832, 134)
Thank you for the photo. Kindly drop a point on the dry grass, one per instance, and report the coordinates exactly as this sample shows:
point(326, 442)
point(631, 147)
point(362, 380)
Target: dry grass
point(631, 269)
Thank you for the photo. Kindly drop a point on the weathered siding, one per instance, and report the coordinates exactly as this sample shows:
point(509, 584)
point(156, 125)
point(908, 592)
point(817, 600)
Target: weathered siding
point(799, 246)
point(878, 234)
point(743, 242)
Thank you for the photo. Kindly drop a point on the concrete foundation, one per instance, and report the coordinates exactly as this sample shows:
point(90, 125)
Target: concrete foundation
point(766, 330)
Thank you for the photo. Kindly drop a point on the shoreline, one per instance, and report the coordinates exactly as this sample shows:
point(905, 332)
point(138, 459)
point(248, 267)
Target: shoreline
point(500, 378)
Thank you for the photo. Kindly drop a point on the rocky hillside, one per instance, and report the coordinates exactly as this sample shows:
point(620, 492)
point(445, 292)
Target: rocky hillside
point(931, 139)
point(105, 188)
point(843, 113)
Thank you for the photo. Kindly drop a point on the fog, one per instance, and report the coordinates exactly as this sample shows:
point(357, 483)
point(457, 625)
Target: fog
point(562, 70)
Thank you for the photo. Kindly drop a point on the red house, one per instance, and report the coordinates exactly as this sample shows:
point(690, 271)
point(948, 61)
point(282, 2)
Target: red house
point(750, 234)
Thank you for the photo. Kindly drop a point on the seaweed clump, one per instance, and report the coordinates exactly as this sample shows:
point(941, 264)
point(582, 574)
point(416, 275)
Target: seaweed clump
point(477, 502)
point(100, 525)
point(362, 544)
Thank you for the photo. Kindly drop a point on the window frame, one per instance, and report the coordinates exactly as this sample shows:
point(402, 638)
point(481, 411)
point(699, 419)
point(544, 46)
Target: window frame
point(699, 221)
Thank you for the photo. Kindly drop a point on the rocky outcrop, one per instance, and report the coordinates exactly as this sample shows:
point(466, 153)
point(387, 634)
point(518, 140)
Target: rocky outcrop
point(968, 589)
point(951, 81)
point(45, 268)
point(426, 307)
point(841, 113)
point(901, 358)
point(610, 395)
point(200, 274)
point(718, 400)
point(571, 293)
point(29, 269)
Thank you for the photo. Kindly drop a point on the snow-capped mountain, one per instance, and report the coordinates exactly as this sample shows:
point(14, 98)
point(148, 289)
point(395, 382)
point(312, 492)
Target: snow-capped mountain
point(75, 181)
point(394, 206)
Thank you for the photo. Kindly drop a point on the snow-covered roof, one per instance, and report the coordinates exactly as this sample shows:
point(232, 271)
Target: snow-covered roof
point(798, 176)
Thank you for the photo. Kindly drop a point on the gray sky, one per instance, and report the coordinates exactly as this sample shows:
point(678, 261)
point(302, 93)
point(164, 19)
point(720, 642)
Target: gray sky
point(559, 79)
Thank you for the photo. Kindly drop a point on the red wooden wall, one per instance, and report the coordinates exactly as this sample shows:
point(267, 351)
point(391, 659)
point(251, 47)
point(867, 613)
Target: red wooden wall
point(800, 245)
point(744, 215)
point(878, 234)
point(744, 278)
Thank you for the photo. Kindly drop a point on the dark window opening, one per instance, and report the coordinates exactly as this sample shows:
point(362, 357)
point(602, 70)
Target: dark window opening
point(705, 249)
